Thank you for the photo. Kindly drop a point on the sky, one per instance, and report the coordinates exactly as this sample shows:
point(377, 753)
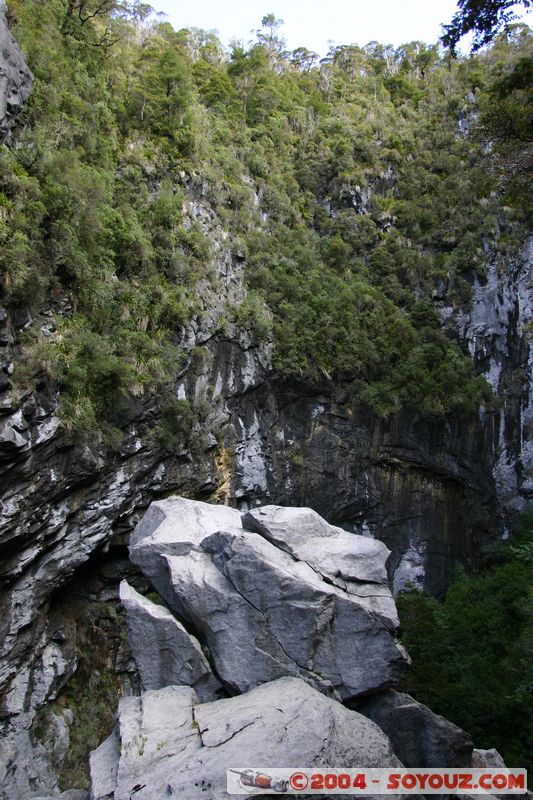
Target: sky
point(316, 23)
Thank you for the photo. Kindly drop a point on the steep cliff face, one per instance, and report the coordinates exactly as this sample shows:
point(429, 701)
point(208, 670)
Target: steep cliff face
point(427, 491)
point(432, 493)
point(15, 78)
point(497, 340)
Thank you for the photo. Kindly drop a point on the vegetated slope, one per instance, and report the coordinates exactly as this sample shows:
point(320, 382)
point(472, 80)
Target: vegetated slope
point(359, 197)
point(349, 186)
point(472, 653)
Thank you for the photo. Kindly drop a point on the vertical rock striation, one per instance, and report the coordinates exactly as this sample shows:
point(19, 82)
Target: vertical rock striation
point(431, 493)
point(499, 344)
point(15, 78)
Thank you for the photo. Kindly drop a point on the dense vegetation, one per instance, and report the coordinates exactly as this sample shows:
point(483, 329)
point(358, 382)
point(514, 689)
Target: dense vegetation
point(346, 184)
point(483, 18)
point(360, 193)
point(473, 654)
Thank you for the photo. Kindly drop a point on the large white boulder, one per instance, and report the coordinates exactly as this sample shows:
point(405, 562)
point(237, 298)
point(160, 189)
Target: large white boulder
point(294, 597)
point(167, 745)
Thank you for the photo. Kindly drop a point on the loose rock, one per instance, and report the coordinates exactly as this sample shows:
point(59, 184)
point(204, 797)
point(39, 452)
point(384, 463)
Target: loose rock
point(171, 746)
point(490, 759)
point(419, 737)
point(265, 604)
point(164, 652)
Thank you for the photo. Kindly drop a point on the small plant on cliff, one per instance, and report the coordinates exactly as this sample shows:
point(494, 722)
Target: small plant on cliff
point(174, 425)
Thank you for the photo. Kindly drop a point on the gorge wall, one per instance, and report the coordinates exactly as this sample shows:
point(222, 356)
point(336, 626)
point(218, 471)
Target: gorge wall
point(15, 78)
point(434, 493)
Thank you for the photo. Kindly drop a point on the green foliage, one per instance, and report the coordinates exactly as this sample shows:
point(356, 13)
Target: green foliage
point(472, 654)
point(344, 185)
point(174, 426)
point(93, 698)
point(251, 315)
point(483, 18)
point(507, 118)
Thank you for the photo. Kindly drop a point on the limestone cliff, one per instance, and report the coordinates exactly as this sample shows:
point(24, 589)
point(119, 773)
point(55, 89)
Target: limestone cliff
point(432, 493)
point(15, 78)
point(494, 331)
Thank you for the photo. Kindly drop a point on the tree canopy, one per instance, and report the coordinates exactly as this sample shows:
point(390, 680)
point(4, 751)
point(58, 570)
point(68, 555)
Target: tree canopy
point(473, 653)
point(348, 186)
point(484, 18)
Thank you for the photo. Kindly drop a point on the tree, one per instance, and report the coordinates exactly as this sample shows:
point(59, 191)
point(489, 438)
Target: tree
point(97, 22)
point(483, 18)
point(304, 59)
point(272, 25)
point(163, 85)
point(506, 119)
point(269, 37)
point(472, 653)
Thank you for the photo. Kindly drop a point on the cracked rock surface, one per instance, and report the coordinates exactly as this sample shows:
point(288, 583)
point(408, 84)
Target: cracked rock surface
point(167, 745)
point(165, 654)
point(15, 78)
point(299, 597)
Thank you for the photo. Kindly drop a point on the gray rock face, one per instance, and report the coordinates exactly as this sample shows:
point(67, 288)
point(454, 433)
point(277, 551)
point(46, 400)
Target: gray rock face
point(491, 759)
point(499, 344)
point(165, 654)
point(487, 758)
point(264, 612)
point(332, 551)
point(175, 526)
point(70, 794)
point(15, 78)
point(419, 487)
point(419, 737)
point(103, 765)
point(171, 746)
point(23, 763)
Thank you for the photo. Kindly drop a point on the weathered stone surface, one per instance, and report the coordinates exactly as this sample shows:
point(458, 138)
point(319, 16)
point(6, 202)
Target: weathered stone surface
point(330, 550)
point(70, 794)
point(264, 612)
point(28, 762)
point(419, 487)
point(495, 331)
point(103, 764)
point(170, 746)
point(175, 526)
point(487, 758)
point(23, 763)
point(15, 77)
point(474, 796)
point(165, 654)
point(419, 737)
